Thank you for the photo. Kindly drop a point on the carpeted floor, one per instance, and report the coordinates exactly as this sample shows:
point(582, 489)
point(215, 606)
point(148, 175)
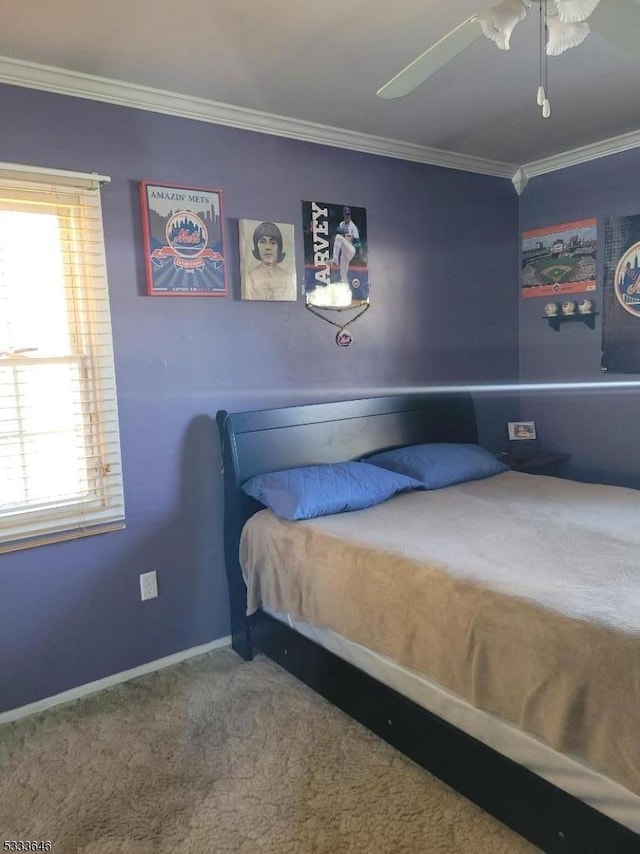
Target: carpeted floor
point(216, 755)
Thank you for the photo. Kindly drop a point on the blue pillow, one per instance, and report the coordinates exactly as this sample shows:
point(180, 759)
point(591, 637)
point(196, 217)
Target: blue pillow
point(440, 464)
point(303, 493)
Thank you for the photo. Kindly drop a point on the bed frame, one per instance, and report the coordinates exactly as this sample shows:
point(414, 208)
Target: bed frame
point(268, 440)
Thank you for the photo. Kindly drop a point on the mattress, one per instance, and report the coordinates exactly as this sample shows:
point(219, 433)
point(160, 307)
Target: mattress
point(565, 772)
point(518, 594)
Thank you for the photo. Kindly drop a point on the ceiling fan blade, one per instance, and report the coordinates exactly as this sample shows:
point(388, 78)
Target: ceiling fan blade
point(432, 60)
point(619, 22)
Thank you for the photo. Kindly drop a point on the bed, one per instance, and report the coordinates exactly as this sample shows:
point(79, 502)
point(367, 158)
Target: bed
point(564, 788)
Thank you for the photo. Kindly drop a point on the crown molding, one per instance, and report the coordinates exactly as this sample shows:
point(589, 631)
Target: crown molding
point(520, 180)
point(32, 75)
point(604, 148)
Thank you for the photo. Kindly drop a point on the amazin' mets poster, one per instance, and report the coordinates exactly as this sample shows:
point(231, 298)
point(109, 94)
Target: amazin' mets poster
point(336, 271)
point(183, 240)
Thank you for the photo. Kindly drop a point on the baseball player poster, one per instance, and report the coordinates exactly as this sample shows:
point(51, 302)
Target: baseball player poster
point(335, 254)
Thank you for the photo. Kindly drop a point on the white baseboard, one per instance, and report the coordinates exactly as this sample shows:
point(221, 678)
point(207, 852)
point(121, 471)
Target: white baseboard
point(108, 681)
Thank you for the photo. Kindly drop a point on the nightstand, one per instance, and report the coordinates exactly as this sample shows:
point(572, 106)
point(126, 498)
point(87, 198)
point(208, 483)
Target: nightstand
point(540, 462)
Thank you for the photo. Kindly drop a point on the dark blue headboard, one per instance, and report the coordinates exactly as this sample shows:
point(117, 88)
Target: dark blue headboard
point(272, 439)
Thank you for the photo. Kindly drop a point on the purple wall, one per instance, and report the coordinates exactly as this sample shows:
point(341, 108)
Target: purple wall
point(443, 250)
point(594, 425)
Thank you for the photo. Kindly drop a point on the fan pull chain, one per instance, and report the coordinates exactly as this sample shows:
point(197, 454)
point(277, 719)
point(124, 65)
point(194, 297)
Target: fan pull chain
point(541, 94)
point(543, 88)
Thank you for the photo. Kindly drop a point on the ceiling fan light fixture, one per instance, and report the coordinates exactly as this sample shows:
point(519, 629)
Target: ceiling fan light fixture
point(500, 20)
point(575, 11)
point(563, 24)
point(561, 36)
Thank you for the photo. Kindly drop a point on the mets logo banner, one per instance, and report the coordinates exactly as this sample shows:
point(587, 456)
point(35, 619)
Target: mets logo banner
point(559, 259)
point(183, 240)
point(336, 267)
point(621, 298)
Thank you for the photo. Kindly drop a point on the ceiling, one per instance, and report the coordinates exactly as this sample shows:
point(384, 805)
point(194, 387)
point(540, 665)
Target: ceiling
point(321, 62)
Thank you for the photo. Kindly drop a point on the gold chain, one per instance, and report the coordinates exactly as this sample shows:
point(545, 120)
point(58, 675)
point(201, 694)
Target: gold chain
point(313, 310)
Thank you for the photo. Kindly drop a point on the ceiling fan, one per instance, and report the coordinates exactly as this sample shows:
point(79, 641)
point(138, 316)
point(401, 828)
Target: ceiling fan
point(563, 24)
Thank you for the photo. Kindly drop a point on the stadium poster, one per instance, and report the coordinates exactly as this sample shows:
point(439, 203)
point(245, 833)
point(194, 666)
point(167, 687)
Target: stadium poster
point(559, 259)
point(336, 271)
point(621, 296)
point(183, 240)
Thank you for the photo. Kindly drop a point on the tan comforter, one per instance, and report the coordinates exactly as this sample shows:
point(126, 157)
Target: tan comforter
point(519, 593)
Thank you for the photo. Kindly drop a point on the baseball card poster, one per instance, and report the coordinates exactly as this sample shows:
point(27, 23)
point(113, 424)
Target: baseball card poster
point(621, 296)
point(559, 259)
point(335, 254)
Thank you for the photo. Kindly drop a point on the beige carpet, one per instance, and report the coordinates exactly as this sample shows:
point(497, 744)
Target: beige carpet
point(216, 755)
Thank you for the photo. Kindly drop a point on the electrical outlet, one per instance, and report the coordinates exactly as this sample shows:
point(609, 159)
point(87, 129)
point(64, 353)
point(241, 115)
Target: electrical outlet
point(148, 585)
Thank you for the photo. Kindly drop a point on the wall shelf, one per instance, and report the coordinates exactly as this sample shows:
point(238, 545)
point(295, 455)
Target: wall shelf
point(588, 318)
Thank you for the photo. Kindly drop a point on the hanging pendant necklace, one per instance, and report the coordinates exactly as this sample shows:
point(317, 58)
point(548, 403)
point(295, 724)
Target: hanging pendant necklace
point(344, 337)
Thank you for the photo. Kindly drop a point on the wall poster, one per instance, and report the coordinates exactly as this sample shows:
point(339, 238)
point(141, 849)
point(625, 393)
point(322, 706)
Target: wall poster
point(335, 254)
point(621, 296)
point(559, 259)
point(183, 240)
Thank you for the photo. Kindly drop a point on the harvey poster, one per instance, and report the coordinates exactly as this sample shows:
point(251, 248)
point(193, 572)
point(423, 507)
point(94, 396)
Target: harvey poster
point(335, 254)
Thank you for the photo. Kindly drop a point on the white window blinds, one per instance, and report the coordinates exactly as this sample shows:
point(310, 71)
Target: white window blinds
point(60, 468)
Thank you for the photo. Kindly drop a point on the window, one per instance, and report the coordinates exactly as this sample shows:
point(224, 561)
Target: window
point(60, 468)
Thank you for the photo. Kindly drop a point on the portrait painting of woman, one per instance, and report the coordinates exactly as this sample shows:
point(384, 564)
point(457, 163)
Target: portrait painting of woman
point(267, 261)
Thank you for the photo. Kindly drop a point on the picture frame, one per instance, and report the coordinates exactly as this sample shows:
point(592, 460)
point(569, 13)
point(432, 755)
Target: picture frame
point(183, 238)
point(267, 261)
point(522, 431)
